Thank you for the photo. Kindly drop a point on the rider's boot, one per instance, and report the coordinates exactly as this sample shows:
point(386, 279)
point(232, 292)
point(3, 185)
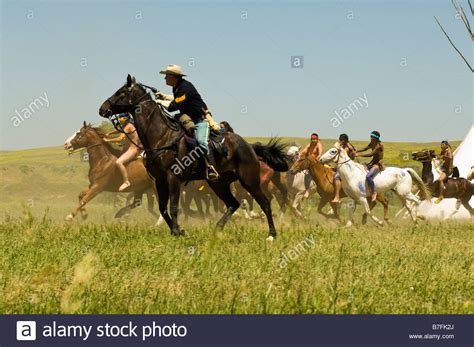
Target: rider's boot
point(211, 172)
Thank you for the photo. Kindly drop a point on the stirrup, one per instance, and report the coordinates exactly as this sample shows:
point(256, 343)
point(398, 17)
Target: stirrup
point(211, 173)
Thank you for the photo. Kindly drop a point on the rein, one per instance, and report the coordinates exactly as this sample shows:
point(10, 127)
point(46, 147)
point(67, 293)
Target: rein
point(151, 154)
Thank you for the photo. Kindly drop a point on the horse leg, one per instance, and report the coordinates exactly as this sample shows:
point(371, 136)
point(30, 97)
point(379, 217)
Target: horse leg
point(383, 200)
point(465, 203)
point(82, 209)
point(365, 204)
point(322, 203)
point(91, 193)
point(150, 204)
point(352, 206)
point(276, 180)
point(403, 199)
point(135, 202)
point(222, 190)
point(335, 207)
point(174, 190)
point(163, 197)
point(296, 204)
point(251, 183)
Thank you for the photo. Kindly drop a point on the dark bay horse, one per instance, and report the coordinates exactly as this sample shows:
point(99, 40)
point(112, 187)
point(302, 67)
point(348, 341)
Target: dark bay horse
point(458, 188)
point(165, 147)
point(103, 174)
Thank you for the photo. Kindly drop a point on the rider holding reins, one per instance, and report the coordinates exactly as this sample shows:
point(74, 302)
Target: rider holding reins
point(446, 156)
point(351, 152)
point(128, 134)
point(376, 164)
point(194, 115)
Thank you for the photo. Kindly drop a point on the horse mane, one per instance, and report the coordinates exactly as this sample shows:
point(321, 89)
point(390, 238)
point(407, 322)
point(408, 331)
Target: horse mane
point(115, 152)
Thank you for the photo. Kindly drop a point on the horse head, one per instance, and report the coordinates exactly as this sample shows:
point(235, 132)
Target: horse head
point(78, 139)
point(335, 155)
point(300, 164)
point(124, 100)
point(423, 156)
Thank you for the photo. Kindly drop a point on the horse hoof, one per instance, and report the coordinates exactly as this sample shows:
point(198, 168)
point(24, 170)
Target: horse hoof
point(270, 238)
point(183, 232)
point(69, 218)
point(348, 224)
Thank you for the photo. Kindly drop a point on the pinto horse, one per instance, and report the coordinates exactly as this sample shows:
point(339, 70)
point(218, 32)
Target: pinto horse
point(164, 143)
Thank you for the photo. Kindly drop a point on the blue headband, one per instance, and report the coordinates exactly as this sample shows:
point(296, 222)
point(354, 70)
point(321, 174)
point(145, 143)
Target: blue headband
point(445, 142)
point(374, 136)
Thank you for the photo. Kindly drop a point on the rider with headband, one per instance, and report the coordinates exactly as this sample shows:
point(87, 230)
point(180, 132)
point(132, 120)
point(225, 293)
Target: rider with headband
point(376, 164)
point(131, 151)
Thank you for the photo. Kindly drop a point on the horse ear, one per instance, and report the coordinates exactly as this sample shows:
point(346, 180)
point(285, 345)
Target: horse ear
point(85, 124)
point(130, 80)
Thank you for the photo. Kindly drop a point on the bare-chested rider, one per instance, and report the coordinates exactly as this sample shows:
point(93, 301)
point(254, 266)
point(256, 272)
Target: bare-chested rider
point(314, 149)
point(446, 156)
point(131, 151)
point(376, 164)
point(351, 152)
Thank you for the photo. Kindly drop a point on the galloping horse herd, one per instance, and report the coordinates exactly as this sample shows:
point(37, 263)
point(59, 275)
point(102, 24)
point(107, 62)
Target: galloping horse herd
point(247, 172)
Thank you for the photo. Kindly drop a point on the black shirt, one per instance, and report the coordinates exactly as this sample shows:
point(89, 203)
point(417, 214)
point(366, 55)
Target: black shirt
point(187, 100)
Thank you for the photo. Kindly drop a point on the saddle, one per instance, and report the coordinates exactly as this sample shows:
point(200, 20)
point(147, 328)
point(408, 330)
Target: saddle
point(215, 142)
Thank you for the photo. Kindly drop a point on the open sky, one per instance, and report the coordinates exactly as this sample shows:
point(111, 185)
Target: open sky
point(75, 54)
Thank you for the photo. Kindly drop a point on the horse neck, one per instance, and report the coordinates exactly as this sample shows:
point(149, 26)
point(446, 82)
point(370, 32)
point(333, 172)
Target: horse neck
point(318, 172)
point(427, 173)
point(346, 165)
point(96, 148)
point(151, 127)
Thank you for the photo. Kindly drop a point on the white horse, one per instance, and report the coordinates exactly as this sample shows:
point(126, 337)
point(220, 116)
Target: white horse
point(353, 177)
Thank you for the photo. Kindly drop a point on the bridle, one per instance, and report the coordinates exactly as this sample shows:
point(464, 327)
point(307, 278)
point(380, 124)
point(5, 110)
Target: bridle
point(80, 136)
point(336, 157)
point(118, 125)
point(155, 151)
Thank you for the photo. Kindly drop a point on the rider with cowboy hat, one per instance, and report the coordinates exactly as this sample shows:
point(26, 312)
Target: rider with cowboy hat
point(194, 115)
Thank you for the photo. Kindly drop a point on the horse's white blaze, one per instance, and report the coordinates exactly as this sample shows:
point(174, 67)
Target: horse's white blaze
point(67, 143)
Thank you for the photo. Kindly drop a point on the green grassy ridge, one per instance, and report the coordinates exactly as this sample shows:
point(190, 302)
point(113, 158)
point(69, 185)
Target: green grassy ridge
point(57, 155)
point(50, 177)
point(48, 267)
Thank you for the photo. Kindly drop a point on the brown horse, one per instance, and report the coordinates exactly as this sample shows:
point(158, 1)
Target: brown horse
point(457, 188)
point(103, 174)
point(324, 176)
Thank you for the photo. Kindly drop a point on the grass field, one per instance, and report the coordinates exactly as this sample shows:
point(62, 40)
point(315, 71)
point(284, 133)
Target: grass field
point(102, 265)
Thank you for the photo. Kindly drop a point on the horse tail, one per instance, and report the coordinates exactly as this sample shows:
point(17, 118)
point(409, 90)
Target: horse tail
point(273, 153)
point(424, 191)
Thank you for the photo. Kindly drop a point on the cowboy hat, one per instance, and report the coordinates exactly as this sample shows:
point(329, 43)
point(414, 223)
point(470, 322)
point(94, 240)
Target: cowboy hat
point(173, 70)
